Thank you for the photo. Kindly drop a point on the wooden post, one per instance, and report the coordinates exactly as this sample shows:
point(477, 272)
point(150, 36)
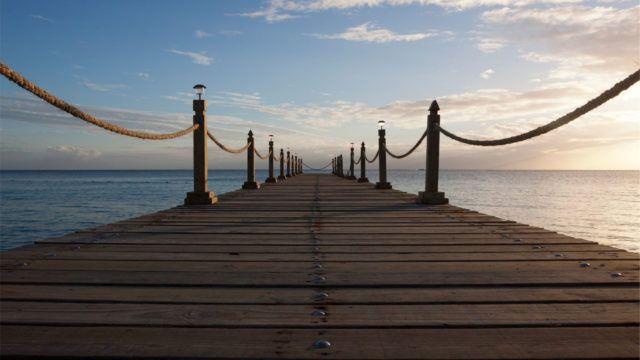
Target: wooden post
point(251, 182)
point(382, 161)
point(288, 164)
point(363, 166)
point(271, 178)
point(431, 195)
point(352, 165)
point(341, 165)
point(294, 166)
point(281, 176)
point(200, 194)
point(333, 166)
point(301, 166)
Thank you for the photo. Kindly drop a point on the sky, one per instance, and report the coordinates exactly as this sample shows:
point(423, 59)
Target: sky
point(318, 75)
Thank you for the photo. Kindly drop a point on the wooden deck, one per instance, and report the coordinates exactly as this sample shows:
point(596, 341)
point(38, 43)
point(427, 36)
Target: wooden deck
point(266, 274)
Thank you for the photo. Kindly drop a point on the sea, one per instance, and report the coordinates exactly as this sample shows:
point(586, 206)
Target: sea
point(602, 206)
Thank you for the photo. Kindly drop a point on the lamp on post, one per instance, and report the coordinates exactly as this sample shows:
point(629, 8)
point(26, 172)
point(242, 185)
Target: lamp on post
point(382, 158)
point(200, 194)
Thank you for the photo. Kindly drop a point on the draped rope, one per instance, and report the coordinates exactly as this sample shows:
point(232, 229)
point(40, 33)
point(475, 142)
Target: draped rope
point(76, 112)
point(224, 147)
point(563, 120)
point(411, 150)
point(322, 168)
point(260, 156)
point(358, 162)
point(374, 158)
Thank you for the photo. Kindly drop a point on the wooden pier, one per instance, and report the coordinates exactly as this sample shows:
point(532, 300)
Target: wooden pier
point(318, 266)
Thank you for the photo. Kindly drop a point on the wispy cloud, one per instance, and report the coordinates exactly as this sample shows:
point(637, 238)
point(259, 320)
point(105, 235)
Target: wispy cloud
point(41, 18)
point(201, 34)
point(487, 74)
point(74, 151)
point(102, 87)
point(200, 58)
point(368, 32)
point(489, 45)
point(143, 75)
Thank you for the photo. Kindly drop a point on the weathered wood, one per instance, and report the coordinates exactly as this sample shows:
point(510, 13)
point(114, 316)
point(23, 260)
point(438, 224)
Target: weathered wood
point(394, 279)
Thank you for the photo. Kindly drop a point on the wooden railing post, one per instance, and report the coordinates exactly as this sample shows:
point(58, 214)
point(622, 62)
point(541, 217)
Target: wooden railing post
point(251, 182)
point(340, 166)
point(363, 166)
point(431, 195)
point(281, 176)
point(333, 166)
point(200, 194)
point(352, 165)
point(382, 161)
point(295, 165)
point(288, 164)
point(271, 178)
point(301, 166)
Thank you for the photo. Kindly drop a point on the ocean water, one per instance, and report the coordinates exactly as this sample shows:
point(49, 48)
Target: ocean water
point(602, 206)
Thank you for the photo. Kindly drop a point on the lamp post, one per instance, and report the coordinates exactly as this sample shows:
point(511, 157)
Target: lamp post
point(271, 178)
point(382, 158)
point(351, 165)
point(200, 194)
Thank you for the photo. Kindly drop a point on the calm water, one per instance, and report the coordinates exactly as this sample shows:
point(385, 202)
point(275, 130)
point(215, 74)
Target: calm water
point(603, 206)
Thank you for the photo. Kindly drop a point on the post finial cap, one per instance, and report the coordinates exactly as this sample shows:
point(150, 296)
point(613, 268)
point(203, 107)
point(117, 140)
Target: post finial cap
point(250, 133)
point(434, 106)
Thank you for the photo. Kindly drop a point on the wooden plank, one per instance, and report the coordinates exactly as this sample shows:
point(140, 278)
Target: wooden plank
point(280, 295)
point(149, 342)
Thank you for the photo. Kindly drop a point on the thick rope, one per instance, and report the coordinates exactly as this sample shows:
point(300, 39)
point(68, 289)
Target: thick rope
point(225, 148)
point(322, 168)
point(260, 156)
point(358, 162)
point(411, 150)
point(76, 112)
point(563, 120)
point(374, 158)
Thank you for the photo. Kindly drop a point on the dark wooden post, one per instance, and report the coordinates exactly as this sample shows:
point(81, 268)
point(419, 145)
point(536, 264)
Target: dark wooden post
point(341, 166)
point(294, 166)
point(333, 166)
point(251, 182)
point(301, 166)
point(431, 195)
point(271, 178)
point(288, 164)
point(200, 194)
point(382, 161)
point(352, 165)
point(363, 166)
point(281, 176)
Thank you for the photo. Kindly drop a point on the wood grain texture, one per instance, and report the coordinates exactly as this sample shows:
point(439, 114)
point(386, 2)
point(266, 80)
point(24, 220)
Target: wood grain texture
point(265, 273)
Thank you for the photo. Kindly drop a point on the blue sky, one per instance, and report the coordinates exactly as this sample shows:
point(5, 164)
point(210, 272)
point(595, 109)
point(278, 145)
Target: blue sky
point(318, 75)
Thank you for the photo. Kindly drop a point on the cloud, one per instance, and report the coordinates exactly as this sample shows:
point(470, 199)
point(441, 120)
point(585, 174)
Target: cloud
point(370, 33)
point(102, 87)
point(197, 58)
point(280, 10)
point(579, 41)
point(41, 18)
point(489, 45)
point(200, 34)
point(487, 74)
point(143, 75)
point(74, 151)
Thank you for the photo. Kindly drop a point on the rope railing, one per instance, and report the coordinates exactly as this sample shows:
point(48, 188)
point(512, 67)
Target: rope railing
point(224, 147)
point(317, 169)
point(357, 162)
point(77, 113)
point(410, 150)
point(563, 120)
point(260, 156)
point(374, 158)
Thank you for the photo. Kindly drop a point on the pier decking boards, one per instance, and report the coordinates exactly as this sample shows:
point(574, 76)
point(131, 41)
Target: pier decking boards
point(266, 273)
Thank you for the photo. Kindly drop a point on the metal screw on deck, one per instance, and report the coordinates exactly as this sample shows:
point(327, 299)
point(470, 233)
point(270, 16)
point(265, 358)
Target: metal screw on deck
point(251, 182)
point(382, 158)
point(288, 163)
point(431, 195)
point(200, 194)
point(352, 166)
point(271, 178)
point(363, 168)
point(281, 176)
